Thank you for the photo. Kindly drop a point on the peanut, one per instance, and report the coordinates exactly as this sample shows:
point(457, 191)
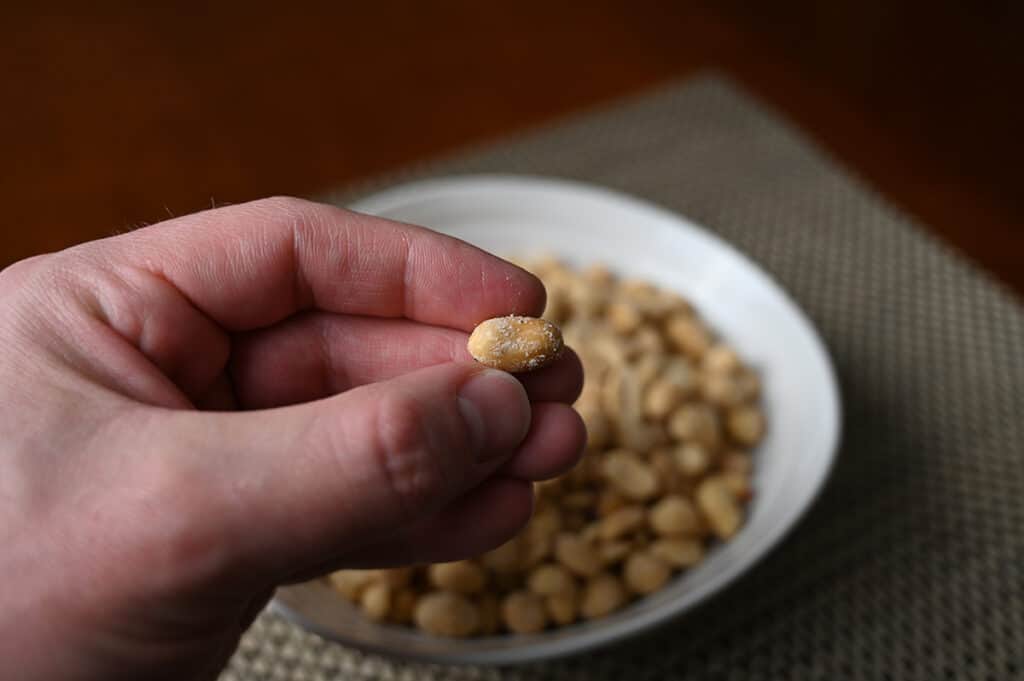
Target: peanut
point(603, 595)
point(443, 613)
point(673, 516)
point(644, 573)
point(515, 343)
point(461, 576)
point(577, 555)
point(524, 612)
point(719, 506)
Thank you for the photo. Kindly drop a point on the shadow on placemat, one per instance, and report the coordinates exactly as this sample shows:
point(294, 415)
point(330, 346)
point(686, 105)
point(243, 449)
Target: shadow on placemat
point(911, 565)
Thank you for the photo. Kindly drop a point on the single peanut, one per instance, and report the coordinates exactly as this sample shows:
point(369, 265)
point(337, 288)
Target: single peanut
point(524, 612)
point(624, 520)
point(644, 573)
point(679, 552)
point(746, 425)
point(719, 506)
point(697, 424)
point(515, 343)
point(462, 576)
point(376, 601)
point(629, 475)
point(550, 579)
point(443, 613)
point(673, 516)
point(577, 555)
point(562, 608)
point(604, 594)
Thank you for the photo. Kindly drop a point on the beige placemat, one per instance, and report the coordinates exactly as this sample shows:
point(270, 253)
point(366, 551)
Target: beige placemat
point(911, 565)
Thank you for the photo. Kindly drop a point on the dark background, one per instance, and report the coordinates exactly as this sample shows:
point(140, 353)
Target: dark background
point(117, 115)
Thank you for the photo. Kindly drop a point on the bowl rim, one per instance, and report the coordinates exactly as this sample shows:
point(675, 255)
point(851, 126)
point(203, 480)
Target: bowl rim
point(402, 194)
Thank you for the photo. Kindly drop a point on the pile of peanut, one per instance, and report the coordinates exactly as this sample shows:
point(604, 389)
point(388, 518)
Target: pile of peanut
point(671, 415)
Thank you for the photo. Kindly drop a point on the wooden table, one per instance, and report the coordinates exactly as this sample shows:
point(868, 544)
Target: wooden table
point(121, 116)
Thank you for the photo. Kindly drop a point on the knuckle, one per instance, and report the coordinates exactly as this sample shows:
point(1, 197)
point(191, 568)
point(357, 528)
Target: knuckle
point(408, 452)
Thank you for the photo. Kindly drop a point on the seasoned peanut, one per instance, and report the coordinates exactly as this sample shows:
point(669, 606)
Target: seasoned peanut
point(461, 576)
point(604, 594)
point(351, 582)
point(661, 398)
point(561, 608)
point(745, 425)
point(629, 475)
point(550, 579)
point(624, 520)
point(719, 506)
point(679, 552)
point(723, 390)
point(443, 613)
point(614, 551)
point(524, 612)
point(697, 424)
point(515, 343)
point(577, 555)
point(644, 573)
point(623, 317)
point(673, 516)
point(692, 460)
point(720, 359)
point(376, 601)
point(688, 335)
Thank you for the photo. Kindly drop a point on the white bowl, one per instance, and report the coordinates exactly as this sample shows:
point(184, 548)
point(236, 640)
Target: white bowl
point(584, 224)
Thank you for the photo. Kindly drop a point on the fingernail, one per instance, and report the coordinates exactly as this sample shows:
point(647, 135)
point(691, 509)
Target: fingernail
point(496, 411)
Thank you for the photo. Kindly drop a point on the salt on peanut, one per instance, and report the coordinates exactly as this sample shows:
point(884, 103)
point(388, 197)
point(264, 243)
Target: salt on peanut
point(515, 343)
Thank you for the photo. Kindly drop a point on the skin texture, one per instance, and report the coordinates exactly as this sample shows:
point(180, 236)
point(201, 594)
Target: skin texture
point(198, 411)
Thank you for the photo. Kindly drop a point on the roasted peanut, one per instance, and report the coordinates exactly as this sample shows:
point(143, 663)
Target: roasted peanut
point(624, 520)
point(746, 425)
point(679, 552)
point(515, 343)
point(524, 612)
point(561, 607)
point(688, 335)
point(719, 506)
point(577, 555)
point(629, 475)
point(376, 601)
point(697, 424)
point(604, 594)
point(550, 579)
point(674, 516)
point(443, 613)
point(462, 576)
point(692, 460)
point(644, 573)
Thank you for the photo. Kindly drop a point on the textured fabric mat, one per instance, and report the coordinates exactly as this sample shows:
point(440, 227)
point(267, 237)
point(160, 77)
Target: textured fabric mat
point(911, 564)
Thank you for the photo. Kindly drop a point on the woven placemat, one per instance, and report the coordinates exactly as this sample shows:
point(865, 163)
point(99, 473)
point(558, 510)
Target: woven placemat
point(911, 564)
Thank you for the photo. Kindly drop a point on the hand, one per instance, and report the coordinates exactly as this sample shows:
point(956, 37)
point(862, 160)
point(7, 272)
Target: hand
point(201, 410)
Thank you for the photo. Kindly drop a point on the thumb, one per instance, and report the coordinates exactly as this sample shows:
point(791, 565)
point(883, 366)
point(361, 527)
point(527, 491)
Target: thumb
point(283, 489)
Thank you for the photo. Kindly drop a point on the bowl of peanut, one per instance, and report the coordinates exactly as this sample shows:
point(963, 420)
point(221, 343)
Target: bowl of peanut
point(712, 413)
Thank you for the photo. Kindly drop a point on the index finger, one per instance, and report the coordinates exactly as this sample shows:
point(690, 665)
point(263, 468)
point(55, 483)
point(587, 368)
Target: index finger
point(252, 265)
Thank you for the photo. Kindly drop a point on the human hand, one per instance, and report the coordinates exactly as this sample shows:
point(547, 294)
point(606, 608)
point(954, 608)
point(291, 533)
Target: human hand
point(201, 410)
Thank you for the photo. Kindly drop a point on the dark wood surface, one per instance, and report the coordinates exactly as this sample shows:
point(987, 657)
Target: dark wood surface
point(120, 115)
